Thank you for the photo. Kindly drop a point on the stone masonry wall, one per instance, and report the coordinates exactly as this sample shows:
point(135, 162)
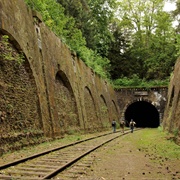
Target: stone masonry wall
point(157, 96)
point(171, 120)
point(57, 93)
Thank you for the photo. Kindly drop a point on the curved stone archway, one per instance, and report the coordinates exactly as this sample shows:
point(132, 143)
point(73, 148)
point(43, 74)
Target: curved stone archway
point(19, 101)
point(115, 111)
point(65, 103)
point(143, 113)
point(90, 121)
point(104, 111)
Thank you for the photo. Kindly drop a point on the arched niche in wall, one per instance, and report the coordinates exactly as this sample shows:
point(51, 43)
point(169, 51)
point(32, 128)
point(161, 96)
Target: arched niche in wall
point(91, 120)
point(114, 112)
point(19, 102)
point(104, 112)
point(65, 104)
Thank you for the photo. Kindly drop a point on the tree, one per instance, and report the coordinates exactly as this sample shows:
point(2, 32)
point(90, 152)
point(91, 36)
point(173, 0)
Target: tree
point(176, 17)
point(92, 18)
point(138, 40)
point(152, 37)
point(117, 52)
point(65, 27)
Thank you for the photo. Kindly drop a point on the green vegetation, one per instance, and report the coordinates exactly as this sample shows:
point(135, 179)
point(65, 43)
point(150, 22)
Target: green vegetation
point(64, 26)
point(152, 141)
point(8, 53)
point(176, 132)
point(135, 81)
point(155, 141)
point(46, 145)
point(132, 43)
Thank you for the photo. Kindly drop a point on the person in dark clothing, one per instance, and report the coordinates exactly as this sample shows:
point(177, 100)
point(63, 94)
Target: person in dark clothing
point(131, 125)
point(114, 125)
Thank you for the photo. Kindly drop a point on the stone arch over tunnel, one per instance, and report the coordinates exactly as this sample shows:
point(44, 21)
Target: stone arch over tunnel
point(65, 103)
point(143, 113)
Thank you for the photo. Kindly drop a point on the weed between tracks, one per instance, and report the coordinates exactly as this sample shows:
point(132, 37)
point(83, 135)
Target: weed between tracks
point(152, 141)
point(28, 151)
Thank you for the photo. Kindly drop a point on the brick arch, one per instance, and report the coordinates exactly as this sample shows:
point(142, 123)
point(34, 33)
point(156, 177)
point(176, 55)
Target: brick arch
point(130, 102)
point(115, 114)
point(91, 121)
point(66, 106)
point(143, 111)
point(126, 105)
point(12, 39)
point(104, 111)
point(19, 102)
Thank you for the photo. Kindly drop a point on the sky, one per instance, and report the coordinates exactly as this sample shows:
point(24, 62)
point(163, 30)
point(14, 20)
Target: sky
point(169, 6)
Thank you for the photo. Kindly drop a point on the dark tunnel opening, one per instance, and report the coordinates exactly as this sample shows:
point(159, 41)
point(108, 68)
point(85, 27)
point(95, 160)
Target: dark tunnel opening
point(143, 113)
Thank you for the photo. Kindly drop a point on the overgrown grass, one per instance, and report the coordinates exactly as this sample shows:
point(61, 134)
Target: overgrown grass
point(7, 52)
point(155, 142)
point(135, 81)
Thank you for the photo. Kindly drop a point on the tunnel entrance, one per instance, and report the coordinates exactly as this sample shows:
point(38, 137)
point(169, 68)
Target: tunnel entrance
point(143, 113)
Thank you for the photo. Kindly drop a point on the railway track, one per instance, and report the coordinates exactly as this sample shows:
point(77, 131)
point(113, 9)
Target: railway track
point(49, 164)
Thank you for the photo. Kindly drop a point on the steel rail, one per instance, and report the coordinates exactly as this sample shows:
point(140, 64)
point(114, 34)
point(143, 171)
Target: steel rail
point(60, 169)
point(4, 166)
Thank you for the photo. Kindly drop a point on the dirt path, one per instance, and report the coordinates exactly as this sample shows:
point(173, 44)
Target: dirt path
point(122, 160)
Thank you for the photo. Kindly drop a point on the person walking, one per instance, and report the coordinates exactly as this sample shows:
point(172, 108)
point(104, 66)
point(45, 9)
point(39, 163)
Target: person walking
point(131, 125)
point(122, 125)
point(114, 125)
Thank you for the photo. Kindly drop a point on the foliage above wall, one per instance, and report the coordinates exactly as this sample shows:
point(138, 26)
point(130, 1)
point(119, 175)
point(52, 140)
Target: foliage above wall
point(65, 27)
point(135, 81)
point(116, 39)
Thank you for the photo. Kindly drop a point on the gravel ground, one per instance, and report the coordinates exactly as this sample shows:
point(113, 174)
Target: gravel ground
point(121, 159)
